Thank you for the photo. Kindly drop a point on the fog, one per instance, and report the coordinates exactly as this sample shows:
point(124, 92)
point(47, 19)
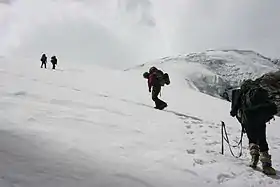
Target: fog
point(120, 33)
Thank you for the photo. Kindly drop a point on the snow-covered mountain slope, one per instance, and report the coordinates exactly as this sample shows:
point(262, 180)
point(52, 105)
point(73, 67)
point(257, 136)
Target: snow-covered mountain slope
point(90, 126)
point(215, 71)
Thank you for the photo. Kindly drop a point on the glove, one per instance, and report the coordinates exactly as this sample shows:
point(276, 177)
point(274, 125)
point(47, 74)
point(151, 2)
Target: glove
point(232, 113)
point(243, 130)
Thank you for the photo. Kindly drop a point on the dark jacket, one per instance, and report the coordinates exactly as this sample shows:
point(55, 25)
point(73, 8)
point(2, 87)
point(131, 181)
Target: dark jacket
point(54, 60)
point(44, 58)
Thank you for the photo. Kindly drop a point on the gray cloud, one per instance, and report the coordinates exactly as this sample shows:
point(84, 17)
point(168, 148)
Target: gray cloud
point(153, 28)
point(204, 24)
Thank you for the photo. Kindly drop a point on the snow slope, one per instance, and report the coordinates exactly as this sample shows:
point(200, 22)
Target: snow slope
point(215, 71)
point(91, 126)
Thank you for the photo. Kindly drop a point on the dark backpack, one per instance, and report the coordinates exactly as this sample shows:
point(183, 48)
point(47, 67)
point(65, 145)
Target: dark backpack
point(54, 60)
point(255, 96)
point(163, 78)
point(256, 102)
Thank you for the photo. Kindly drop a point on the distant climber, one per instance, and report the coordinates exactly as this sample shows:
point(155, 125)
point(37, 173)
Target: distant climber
point(226, 96)
point(156, 79)
point(253, 108)
point(44, 61)
point(53, 61)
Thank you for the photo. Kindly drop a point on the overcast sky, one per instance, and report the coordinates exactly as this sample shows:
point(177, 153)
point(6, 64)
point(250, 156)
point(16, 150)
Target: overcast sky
point(185, 25)
point(202, 24)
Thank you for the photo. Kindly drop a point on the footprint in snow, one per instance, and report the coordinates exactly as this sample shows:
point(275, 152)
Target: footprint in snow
point(189, 132)
point(191, 151)
point(203, 162)
point(212, 143)
point(188, 126)
point(209, 151)
point(212, 161)
point(224, 177)
point(192, 122)
point(213, 127)
point(198, 161)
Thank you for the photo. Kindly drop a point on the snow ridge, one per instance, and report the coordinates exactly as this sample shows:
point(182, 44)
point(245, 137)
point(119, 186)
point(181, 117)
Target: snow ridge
point(217, 70)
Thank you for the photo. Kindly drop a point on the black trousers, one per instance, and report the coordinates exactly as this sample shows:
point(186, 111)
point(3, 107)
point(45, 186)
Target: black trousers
point(44, 63)
point(256, 133)
point(155, 92)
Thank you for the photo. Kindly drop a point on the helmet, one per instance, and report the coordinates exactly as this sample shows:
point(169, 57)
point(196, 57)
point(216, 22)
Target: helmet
point(152, 69)
point(146, 75)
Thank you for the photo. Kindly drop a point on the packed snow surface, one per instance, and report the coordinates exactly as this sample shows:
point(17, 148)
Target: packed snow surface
point(92, 126)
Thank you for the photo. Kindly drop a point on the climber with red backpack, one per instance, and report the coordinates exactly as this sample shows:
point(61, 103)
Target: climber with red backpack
point(156, 79)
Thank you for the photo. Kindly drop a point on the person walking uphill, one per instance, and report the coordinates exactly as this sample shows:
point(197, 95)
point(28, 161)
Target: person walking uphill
point(156, 79)
point(44, 61)
point(253, 109)
point(54, 61)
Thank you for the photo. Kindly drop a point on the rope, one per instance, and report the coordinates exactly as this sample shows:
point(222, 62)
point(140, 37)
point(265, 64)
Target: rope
point(226, 139)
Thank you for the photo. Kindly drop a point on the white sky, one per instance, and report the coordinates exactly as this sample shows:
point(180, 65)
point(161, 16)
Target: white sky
point(184, 25)
point(202, 24)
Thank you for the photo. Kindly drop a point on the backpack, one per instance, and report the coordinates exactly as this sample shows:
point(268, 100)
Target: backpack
point(256, 102)
point(54, 60)
point(146, 75)
point(163, 78)
point(255, 96)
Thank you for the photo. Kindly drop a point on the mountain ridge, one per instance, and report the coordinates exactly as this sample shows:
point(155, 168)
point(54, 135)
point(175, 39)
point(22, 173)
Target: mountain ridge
point(217, 71)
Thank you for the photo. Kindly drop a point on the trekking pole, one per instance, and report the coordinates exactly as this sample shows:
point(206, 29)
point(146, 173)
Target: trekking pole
point(222, 132)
